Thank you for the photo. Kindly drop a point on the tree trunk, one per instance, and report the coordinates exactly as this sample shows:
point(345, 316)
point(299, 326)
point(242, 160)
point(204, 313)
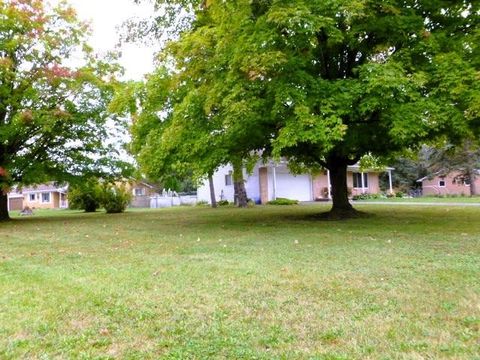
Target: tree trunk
point(235, 193)
point(473, 187)
point(213, 199)
point(4, 206)
point(341, 208)
point(239, 185)
point(242, 200)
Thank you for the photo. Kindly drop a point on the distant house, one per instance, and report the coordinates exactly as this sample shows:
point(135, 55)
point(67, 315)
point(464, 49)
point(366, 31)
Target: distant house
point(274, 180)
point(141, 192)
point(450, 184)
point(42, 196)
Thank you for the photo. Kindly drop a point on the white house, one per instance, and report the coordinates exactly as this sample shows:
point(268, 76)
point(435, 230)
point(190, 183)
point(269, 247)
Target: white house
point(274, 180)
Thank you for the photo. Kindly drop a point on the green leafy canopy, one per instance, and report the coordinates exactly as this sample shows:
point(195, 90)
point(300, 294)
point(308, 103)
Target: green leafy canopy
point(54, 93)
point(321, 82)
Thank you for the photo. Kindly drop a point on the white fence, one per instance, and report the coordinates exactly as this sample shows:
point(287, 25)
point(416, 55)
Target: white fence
point(157, 202)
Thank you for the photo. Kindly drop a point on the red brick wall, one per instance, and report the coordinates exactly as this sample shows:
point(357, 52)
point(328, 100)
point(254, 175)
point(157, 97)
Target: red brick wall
point(431, 187)
point(320, 182)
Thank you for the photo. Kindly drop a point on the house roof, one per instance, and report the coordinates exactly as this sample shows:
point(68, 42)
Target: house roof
point(143, 183)
point(441, 174)
point(426, 178)
point(356, 167)
point(137, 182)
point(47, 187)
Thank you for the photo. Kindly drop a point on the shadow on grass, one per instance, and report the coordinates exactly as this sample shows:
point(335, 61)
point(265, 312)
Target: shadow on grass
point(269, 215)
point(335, 216)
point(278, 216)
point(53, 217)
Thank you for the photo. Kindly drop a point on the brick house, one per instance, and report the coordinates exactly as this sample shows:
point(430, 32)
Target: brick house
point(450, 184)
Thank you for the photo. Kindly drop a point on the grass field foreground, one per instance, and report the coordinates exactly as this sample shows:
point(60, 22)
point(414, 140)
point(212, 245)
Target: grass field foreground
point(260, 283)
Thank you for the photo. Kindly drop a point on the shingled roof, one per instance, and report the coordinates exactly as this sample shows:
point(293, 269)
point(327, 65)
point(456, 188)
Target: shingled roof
point(47, 187)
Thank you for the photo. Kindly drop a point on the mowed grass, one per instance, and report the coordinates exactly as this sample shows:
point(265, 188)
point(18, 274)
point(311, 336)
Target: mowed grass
point(260, 283)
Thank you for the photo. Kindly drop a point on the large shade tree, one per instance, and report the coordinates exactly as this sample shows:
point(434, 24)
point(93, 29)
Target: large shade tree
point(53, 98)
point(323, 82)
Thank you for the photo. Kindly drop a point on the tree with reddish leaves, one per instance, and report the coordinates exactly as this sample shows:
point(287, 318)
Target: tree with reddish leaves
point(54, 94)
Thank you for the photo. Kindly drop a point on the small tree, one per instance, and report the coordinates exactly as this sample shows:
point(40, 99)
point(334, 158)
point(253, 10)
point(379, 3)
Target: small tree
point(86, 196)
point(115, 199)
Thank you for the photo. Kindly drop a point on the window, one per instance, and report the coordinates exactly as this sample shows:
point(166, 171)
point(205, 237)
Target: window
point(32, 197)
point(441, 183)
point(139, 191)
point(357, 180)
point(46, 197)
point(228, 179)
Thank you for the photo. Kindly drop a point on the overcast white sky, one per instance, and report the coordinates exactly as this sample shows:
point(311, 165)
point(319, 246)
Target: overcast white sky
point(105, 16)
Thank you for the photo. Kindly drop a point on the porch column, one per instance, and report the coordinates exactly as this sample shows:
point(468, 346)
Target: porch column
point(329, 186)
point(274, 182)
point(390, 181)
point(361, 182)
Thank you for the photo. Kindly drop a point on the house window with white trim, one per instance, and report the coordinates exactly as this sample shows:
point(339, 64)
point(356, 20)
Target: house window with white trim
point(228, 179)
point(45, 197)
point(441, 183)
point(357, 180)
point(32, 197)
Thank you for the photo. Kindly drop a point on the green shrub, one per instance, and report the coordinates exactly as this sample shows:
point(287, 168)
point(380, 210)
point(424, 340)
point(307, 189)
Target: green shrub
point(399, 194)
point(115, 198)
point(86, 196)
point(202, 203)
point(283, 201)
point(222, 203)
point(366, 196)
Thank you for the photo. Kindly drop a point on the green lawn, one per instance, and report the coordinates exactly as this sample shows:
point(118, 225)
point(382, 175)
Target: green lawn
point(261, 283)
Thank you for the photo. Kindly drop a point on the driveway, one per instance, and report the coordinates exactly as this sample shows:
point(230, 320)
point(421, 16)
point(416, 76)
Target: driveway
point(397, 203)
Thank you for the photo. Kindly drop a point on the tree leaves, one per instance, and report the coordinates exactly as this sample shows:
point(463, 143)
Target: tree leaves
point(313, 80)
point(52, 114)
